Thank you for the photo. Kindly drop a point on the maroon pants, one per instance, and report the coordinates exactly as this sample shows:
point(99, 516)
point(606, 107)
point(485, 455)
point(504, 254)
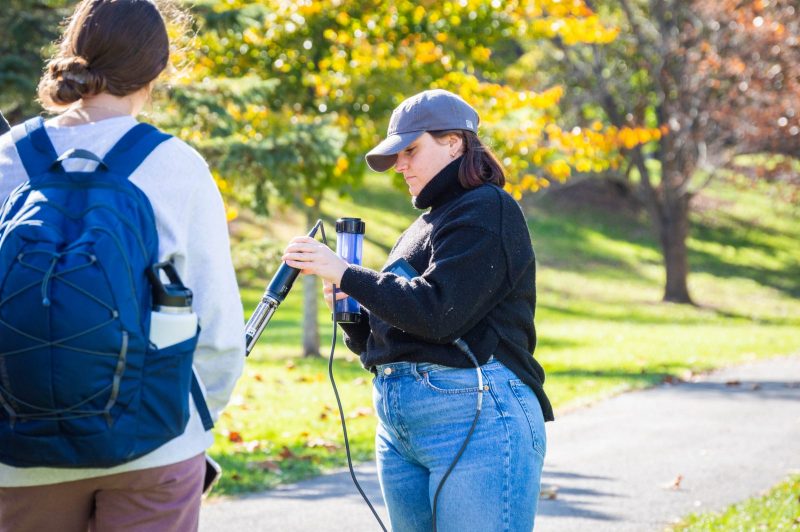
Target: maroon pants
point(161, 499)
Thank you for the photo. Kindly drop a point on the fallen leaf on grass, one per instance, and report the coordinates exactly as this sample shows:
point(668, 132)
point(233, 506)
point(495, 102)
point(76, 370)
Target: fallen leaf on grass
point(692, 375)
point(235, 437)
point(266, 465)
point(290, 365)
point(363, 411)
point(325, 444)
point(286, 453)
point(252, 446)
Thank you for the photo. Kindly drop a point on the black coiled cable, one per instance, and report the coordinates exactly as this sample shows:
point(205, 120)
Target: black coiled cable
point(464, 348)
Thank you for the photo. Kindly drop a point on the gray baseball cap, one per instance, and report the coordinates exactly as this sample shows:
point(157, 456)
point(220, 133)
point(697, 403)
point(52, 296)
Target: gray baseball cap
point(431, 110)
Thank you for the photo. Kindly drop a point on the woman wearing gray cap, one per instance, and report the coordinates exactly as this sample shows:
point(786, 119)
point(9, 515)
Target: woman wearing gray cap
point(469, 275)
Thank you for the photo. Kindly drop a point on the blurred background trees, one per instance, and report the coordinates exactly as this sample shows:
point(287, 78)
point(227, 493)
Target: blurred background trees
point(285, 97)
point(27, 29)
point(720, 78)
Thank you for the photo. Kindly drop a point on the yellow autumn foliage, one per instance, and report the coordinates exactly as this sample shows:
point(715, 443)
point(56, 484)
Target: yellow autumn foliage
point(397, 39)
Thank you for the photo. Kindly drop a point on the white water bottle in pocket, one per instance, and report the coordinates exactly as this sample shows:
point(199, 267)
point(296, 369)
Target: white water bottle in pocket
point(172, 320)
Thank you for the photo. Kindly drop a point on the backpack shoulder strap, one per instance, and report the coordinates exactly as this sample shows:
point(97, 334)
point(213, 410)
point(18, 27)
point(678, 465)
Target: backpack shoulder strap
point(200, 403)
point(34, 147)
point(133, 148)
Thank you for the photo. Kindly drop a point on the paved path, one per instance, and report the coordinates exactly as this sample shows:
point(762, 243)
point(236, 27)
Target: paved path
point(634, 462)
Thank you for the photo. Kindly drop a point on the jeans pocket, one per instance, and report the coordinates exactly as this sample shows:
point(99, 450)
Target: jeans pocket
point(451, 380)
point(530, 405)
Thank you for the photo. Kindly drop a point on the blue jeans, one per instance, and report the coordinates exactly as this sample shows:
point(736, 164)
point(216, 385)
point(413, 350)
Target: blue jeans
point(424, 413)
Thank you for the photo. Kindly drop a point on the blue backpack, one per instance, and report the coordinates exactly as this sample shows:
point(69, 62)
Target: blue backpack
point(81, 385)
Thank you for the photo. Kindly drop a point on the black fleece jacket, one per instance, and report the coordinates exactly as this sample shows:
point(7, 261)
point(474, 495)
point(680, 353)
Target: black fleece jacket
point(477, 281)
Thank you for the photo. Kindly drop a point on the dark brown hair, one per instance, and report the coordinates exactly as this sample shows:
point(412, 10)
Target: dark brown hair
point(479, 164)
point(114, 46)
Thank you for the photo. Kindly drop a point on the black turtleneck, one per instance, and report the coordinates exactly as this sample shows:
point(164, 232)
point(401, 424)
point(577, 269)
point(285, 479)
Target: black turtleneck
point(441, 189)
point(477, 281)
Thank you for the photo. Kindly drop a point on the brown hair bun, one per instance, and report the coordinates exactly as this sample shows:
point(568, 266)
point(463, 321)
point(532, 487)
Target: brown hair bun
point(113, 46)
point(68, 79)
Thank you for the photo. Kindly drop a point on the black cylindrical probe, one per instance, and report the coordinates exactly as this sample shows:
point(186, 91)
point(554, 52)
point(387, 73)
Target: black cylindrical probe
point(273, 296)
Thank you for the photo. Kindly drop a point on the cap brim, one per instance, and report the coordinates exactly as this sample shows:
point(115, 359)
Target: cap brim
point(383, 156)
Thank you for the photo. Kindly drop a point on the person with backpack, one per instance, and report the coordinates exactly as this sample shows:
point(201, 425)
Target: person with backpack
point(104, 424)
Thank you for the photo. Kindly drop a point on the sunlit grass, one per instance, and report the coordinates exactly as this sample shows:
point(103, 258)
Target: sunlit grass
point(779, 509)
point(283, 422)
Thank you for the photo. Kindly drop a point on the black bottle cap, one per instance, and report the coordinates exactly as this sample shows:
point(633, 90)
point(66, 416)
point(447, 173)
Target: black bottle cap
point(173, 294)
point(350, 225)
point(348, 317)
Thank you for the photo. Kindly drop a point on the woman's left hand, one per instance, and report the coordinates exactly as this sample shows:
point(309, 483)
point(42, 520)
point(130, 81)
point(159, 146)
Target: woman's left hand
point(312, 257)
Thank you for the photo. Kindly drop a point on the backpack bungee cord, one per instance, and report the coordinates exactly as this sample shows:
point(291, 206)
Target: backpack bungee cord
point(273, 296)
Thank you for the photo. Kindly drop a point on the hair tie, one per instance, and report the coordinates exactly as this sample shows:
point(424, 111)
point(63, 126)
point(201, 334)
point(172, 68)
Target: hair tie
point(80, 77)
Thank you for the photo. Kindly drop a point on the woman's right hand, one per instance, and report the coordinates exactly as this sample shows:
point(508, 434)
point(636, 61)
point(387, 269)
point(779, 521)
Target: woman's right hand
point(327, 291)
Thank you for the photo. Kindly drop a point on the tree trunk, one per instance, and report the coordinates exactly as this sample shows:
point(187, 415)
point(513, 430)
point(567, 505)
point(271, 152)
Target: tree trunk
point(673, 230)
point(311, 295)
point(669, 212)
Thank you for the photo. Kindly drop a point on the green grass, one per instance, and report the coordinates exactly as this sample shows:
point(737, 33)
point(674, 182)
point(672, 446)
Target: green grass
point(602, 328)
point(283, 422)
point(779, 509)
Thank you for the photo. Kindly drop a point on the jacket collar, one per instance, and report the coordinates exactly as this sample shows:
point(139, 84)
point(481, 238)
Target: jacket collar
point(443, 188)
